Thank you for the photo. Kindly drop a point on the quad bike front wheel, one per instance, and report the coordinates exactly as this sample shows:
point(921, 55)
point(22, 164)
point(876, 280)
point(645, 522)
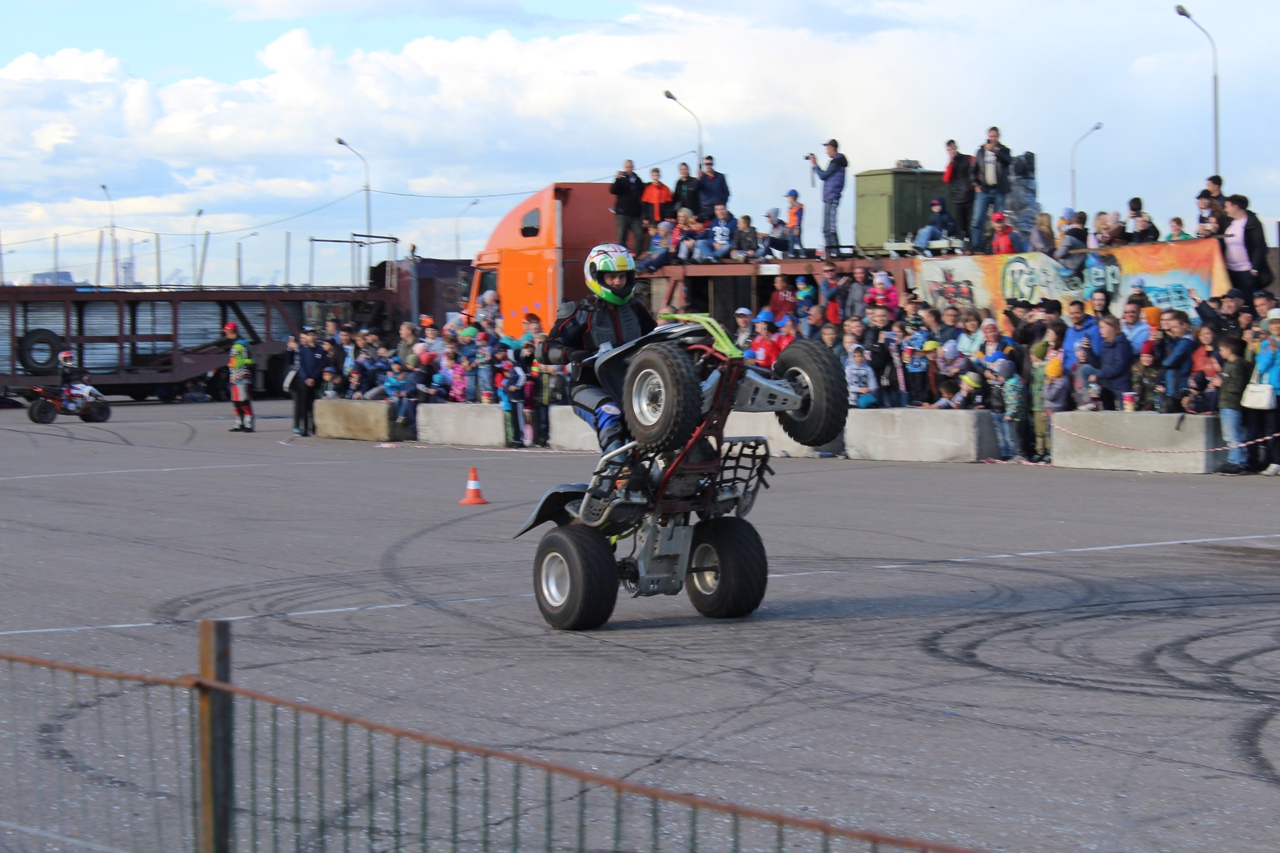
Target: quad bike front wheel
point(662, 397)
point(42, 411)
point(96, 412)
point(816, 375)
point(728, 569)
point(575, 578)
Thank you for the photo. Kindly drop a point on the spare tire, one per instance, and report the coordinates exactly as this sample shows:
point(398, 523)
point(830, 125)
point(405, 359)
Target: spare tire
point(32, 351)
point(816, 375)
point(662, 397)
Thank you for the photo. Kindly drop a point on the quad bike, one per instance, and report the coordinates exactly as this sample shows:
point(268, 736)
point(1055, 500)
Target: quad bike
point(47, 402)
point(680, 490)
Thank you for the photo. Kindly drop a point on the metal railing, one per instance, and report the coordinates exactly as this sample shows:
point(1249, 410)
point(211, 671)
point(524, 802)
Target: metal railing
point(98, 760)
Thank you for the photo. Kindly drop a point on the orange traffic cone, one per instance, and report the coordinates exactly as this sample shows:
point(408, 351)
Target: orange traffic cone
point(474, 497)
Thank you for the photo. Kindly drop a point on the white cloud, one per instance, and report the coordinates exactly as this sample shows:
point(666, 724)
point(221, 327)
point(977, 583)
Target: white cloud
point(501, 113)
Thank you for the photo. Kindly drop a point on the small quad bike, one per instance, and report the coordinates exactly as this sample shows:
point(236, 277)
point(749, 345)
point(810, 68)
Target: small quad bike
point(681, 489)
point(46, 402)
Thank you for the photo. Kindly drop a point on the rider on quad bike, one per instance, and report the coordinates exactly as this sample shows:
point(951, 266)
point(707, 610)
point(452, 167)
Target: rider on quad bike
point(69, 373)
point(609, 317)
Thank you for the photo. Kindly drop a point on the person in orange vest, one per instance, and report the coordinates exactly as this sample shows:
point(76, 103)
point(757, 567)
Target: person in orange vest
point(655, 201)
point(795, 219)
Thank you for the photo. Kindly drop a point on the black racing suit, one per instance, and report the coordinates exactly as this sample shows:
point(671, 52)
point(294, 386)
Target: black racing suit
point(580, 329)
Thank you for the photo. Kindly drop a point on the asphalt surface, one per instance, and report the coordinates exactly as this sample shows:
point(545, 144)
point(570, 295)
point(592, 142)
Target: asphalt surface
point(1009, 657)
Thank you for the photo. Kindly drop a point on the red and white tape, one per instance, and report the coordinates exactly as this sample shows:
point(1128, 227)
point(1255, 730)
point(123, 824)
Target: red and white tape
point(1153, 450)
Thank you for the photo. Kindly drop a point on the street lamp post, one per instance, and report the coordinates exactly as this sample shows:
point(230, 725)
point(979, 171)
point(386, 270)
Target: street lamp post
point(672, 97)
point(133, 260)
point(368, 204)
point(1182, 10)
point(457, 228)
point(115, 261)
point(1097, 126)
point(239, 280)
point(194, 221)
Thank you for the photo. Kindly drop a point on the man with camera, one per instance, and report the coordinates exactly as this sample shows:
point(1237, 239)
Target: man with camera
point(990, 182)
point(628, 187)
point(832, 188)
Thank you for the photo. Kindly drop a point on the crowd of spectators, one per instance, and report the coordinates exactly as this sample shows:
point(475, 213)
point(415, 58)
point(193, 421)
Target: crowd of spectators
point(459, 363)
point(1034, 360)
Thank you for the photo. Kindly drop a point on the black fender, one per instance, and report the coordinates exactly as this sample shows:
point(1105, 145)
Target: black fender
point(552, 507)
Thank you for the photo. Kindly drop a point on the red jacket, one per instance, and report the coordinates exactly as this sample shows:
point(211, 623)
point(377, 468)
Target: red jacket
point(766, 350)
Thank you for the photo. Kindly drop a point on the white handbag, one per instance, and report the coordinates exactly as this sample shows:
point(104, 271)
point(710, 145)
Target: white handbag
point(1258, 395)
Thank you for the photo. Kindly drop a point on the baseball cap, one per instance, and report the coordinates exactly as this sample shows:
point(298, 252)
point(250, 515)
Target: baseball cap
point(935, 202)
point(929, 346)
point(230, 327)
point(997, 217)
point(329, 368)
point(832, 143)
point(746, 312)
point(792, 194)
point(765, 316)
point(1233, 293)
point(1205, 194)
point(1273, 314)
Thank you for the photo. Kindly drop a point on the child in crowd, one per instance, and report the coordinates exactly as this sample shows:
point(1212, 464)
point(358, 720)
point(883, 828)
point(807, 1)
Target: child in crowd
point(882, 292)
point(330, 383)
point(457, 377)
point(947, 390)
point(1176, 232)
point(970, 395)
point(861, 379)
point(995, 367)
point(1230, 383)
point(399, 390)
point(950, 361)
point(893, 381)
point(830, 337)
point(439, 383)
point(788, 329)
point(1039, 424)
point(511, 396)
point(1145, 379)
point(1054, 393)
point(1015, 406)
point(922, 371)
point(746, 242)
point(806, 294)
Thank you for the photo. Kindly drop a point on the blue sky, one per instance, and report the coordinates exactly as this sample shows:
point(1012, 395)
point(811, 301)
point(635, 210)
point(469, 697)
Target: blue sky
point(231, 106)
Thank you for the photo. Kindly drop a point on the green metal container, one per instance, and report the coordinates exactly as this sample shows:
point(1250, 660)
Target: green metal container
point(894, 202)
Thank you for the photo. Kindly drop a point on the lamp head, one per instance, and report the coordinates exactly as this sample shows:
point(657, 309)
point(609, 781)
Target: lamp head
point(200, 213)
point(1182, 10)
point(668, 95)
point(340, 140)
point(1098, 126)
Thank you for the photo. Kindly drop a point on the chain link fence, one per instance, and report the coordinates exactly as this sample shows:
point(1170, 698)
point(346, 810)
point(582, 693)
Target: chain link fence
point(107, 761)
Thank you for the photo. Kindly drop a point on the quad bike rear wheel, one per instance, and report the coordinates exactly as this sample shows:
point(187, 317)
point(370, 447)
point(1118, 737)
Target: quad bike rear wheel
point(728, 569)
point(42, 411)
point(95, 412)
point(575, 578)
point(816, 376)
point(662, 397)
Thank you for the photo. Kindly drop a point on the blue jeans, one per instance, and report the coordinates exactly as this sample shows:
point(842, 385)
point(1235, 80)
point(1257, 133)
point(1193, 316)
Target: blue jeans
point(985, 203)
point(704, 249)
point(927, 233)
point(1004, 435)
point(829, 223)
point(406, 407)
point(1233, 433)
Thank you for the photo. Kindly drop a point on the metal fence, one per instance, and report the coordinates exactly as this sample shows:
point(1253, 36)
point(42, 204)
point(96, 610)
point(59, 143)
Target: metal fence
point(108, 761)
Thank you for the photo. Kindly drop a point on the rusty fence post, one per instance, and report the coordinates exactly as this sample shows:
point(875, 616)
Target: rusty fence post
point(217, 787)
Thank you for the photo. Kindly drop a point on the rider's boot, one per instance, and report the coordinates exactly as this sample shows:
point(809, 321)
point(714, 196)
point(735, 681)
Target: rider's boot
point(239, 427)
point(615, 473)
point(248, 422)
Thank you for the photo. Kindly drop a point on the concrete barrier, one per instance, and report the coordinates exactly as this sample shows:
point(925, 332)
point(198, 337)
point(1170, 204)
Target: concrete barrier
point(361, 420)
point(570, 432)
point(920, 435)
point(1192, 434)
point(466, 424)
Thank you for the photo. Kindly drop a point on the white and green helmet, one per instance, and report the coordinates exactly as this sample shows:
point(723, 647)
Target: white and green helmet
point(606, 258)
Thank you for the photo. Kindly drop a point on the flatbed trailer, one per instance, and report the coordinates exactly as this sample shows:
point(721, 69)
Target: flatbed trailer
point(141, 342)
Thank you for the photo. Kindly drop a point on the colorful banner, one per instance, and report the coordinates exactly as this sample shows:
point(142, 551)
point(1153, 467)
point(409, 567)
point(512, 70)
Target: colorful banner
point(1169, 273)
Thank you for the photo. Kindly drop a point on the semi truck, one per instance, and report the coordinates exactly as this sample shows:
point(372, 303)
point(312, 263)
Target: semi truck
point(534, 256)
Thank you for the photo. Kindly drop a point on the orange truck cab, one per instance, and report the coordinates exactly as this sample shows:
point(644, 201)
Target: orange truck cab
point(534, 256)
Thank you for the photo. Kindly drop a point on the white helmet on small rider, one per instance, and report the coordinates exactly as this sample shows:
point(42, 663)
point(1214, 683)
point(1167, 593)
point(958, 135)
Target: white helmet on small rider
point(66, 358)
